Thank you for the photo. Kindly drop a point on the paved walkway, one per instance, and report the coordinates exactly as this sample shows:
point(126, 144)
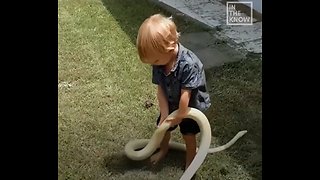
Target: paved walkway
point(223, 43)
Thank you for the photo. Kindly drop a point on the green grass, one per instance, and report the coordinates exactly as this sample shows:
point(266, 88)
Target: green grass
point(236, 92)
point(103, 87)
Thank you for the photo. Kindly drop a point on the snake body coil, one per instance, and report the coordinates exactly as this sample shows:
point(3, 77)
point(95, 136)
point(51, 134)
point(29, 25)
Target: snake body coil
point(149, 146)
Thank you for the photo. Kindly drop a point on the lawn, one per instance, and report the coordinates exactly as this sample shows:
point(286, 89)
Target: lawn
point(103, 88)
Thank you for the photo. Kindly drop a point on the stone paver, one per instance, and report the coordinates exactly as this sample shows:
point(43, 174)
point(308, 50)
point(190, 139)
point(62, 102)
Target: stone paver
point(204, 45)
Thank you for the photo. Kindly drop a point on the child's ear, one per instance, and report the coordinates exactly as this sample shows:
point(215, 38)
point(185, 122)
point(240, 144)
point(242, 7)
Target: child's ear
point(171, 47)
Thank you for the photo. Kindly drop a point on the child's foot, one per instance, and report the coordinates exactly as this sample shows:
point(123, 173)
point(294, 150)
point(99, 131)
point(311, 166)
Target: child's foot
point(155, 158)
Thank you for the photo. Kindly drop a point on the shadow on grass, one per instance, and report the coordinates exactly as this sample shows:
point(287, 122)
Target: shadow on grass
point(236, 95)
point(130, 14)
point(120, 163)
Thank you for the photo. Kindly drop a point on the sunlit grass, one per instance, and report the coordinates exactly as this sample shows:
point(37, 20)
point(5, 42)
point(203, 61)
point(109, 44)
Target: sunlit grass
point(103, 87)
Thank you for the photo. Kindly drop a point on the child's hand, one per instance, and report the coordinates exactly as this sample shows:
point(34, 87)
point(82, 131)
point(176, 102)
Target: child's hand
point(174, 121)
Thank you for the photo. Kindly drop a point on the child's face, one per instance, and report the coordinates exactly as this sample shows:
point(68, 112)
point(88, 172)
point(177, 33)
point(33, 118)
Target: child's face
point(160, 58)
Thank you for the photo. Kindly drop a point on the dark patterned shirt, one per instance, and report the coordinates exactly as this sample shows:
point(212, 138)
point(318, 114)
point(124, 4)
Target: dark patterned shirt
point(188, 73)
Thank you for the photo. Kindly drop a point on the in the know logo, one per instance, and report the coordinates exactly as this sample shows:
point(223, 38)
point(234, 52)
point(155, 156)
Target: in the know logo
point(235, 16)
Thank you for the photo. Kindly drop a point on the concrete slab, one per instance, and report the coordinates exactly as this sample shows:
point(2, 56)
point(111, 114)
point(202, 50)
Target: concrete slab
point(209, 49)
point(245, 38)
point(197, 40)
point(240, 34)
point(211, 57)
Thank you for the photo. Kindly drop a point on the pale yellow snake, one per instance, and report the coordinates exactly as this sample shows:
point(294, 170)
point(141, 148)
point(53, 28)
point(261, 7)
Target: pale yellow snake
point(149, 146)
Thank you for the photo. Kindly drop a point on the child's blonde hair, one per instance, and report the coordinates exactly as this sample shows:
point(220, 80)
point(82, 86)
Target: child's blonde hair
point(156, 34)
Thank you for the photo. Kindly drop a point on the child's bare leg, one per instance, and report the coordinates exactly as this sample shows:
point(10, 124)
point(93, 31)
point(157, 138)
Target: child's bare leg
point(164, 147)
point(191, 148)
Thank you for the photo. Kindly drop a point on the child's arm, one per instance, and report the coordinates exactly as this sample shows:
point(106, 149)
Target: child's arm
point(183, 107)
point(163, 105)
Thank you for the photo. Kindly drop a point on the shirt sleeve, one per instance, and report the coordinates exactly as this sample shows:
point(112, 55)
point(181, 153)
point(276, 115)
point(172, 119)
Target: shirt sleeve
point(190, 76)
point(155, 75)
